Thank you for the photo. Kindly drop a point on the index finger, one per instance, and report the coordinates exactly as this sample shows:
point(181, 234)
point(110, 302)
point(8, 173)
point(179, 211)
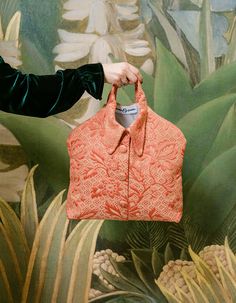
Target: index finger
point(136, 72)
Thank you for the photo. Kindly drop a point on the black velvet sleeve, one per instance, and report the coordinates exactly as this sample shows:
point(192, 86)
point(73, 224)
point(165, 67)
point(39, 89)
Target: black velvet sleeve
point(42, 96)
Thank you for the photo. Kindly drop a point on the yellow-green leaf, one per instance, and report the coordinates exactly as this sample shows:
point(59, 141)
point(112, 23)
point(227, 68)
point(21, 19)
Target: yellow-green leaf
point(231, 259)
point(13, 28)
point(5, 290)
point(207, 289)
point(171, 33)
point(10, 263)
point(203, 268)
point(41, 238)
point(16, 237)
point(227, 281)
point(195, 290)
point(171, 298)
point(206, 40)
point(29, 214)
point(54, 260)
point(77, 262)
point(182, 295)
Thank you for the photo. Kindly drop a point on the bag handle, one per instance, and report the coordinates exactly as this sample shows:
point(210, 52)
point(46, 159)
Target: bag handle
point(139, 93)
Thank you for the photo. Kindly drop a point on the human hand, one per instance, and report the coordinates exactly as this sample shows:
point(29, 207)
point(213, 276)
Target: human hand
point(121, 73)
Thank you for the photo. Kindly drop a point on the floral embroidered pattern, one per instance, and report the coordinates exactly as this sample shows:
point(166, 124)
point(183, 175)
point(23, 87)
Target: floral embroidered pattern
point(107, 187)
point(129, 173)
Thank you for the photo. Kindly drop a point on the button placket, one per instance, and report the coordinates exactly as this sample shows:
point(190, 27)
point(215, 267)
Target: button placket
point(123, 154)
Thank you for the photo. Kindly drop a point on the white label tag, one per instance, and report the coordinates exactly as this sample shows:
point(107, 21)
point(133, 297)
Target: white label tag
point(127, 110)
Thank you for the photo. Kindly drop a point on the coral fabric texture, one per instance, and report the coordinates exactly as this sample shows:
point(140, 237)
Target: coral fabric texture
point(126, 173)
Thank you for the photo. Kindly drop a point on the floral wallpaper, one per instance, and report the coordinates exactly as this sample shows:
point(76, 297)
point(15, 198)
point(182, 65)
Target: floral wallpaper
point(186, 51)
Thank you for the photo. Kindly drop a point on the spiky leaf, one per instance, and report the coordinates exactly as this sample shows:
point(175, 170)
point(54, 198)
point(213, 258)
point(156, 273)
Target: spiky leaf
point(204, 204)
point(29, 214)
point(76, 272)
point(52, 156)
point(172, 88)
point(206, 40)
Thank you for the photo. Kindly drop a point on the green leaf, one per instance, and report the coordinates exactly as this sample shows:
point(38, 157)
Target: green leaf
point(143, 234)
point(195, 290)
point(227, 280)
point(182, 295)
point(40, 23)
point(40, 250)
point(44, 142)
point(157, 262)
point(223, 79)
point(171, 33)
point(120, 295)
point(186, 5)
point(29, 214)
point(16, 238)
point(34, 61)
point(172, 88)
point(50, 272)
point(10, 275)
point(208, 206)
point(7, 10)
point(141, 259)
point(168, 254)
point(225, 138)
point(76, 272)
point(231, 259)
point(98, 284)
point(13, 156)
point(127, 272)
point(5, 290)
point(201, 138)
point(115, 232)
point(176, 235)
point(183, 255)
point(207, 289)
point(203, 268)
point(118, 282)
point(170, 298)
point(195, 236)
point(206, 41)
point(230, 55)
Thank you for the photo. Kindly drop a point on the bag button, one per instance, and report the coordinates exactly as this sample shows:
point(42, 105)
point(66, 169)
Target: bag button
point(123, 149)
point(124, 204)
point(122, 177)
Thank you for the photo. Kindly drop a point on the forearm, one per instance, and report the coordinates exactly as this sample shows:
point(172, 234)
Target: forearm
point(41, 96)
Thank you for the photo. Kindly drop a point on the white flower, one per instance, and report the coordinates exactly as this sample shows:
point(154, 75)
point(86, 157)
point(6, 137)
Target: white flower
point(102, 259)
point(75, 46)
point(148, 67)
point(127, 11)
point(103, 36)
point(9, 42)
point(100, 13)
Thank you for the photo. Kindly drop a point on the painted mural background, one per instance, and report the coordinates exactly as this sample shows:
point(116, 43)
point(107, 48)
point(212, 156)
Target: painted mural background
point(186, 50)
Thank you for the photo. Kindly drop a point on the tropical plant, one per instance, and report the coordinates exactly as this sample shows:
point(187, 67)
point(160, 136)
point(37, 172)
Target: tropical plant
point(50, 134)
point(210, 277)
point(44, 261)
point(9, 41)
point(127, 278)
point(195, 45)
point(206, 114)
point(105, 28)
point(208, 178)
point(13, 169)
